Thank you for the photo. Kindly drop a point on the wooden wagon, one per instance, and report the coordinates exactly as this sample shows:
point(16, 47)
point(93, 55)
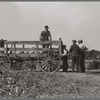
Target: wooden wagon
point(29, 55)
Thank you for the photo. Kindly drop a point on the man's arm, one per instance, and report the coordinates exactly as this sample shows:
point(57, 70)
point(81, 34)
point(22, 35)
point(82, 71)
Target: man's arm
point(65, 52)
point(84, 48)
point(70, 50)
point(50, 38)
point(41, 36)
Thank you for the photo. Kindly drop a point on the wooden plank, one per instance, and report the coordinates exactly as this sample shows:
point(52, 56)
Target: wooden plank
point(32, 49)
point(60, 47)
point(6, 48)
point(49, 42)
point(14, 47)
point(23, 45)
point(22, 42)
point(37, 51)
point(24, 55)
point(3, 49)
point(22, 49)
point(33, 42)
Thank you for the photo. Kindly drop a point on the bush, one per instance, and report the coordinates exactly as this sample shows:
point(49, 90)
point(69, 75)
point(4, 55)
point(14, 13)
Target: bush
point(93, 65)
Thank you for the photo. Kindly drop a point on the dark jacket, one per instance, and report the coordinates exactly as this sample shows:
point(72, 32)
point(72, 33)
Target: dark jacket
point(2, 43)
point(74, 49)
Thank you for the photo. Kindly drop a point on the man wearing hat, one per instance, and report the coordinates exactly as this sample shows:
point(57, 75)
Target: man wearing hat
point(65, 59)
point(82, 55)
point(45, 36)
point(74, 50)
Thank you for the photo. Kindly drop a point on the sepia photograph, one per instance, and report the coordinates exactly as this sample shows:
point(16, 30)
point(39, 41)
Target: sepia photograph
point(49, 49)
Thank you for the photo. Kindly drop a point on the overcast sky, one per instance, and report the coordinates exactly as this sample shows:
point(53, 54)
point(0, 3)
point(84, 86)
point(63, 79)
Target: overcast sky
point(66, 20)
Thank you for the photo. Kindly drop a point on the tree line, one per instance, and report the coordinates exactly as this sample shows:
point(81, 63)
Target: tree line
point(90, 54)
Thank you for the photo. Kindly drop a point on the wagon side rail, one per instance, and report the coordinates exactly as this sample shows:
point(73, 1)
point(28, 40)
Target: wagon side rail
point(11, 46)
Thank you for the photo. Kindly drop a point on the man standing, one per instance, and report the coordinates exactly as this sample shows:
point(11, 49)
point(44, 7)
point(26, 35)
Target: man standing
point(2, 43)
point(82, 56)
point(65, 59)
point(74, 50)
point(62, 51)
point(45, 36)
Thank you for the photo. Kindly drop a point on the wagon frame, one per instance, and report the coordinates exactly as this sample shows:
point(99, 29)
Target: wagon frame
point(47, 59)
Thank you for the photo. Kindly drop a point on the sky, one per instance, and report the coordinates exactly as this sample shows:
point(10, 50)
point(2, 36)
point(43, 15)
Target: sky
point(66, 20)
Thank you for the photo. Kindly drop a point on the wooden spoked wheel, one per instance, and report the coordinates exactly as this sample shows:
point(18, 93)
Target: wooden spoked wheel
point(5, 62)
point(28, 66)
point(50, 61)
point(16, 65)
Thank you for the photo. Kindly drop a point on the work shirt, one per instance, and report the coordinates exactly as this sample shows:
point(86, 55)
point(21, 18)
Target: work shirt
point(74, 49)
point(82, 48)
point(45, 35)
point(65, 53)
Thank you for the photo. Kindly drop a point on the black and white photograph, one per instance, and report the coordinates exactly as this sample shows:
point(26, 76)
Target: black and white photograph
point(49, 49)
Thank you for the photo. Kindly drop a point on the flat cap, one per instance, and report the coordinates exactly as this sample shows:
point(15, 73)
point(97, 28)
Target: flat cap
point(64, 46)
point(80, 41)
point(74, 41)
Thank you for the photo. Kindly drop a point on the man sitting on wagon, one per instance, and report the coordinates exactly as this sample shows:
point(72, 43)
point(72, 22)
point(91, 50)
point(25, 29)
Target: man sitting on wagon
point(45, 36)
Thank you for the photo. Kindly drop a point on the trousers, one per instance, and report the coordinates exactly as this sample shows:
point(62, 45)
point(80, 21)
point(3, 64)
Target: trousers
point(65, 63)
point(82, 63)
point(75, 63)
point(45, 46)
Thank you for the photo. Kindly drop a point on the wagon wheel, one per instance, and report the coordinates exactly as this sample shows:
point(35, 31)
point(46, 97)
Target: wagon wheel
point(50, 61)
point(28, 65)
point(16, 65)
point(5, 62)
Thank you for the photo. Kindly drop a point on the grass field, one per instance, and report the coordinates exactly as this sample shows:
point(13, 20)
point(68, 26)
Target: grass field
point(86, 62)
point(55, 85)
point(51, 85)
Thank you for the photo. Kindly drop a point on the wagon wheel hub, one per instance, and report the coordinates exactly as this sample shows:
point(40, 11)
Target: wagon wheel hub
point(16, 64)
point(49, 62)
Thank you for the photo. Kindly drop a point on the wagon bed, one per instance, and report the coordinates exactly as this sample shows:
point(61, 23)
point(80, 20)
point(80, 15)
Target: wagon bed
point(29, 55)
